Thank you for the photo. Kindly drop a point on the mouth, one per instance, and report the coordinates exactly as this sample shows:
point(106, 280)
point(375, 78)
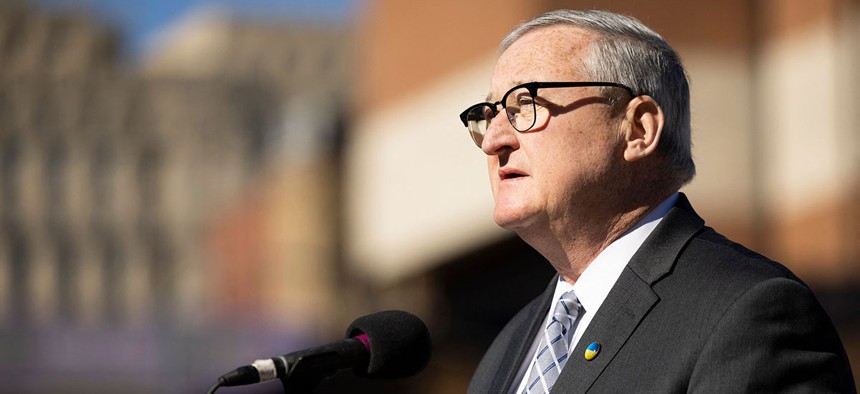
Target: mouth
point(510, 174)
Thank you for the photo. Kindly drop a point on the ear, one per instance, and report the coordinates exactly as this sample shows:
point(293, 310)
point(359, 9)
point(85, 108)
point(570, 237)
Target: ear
point(644, 126)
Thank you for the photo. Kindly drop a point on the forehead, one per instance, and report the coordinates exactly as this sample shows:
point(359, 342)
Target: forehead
point(552, 53)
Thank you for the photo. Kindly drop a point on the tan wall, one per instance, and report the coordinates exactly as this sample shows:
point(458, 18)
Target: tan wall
point(765, 78)
point(405, 46)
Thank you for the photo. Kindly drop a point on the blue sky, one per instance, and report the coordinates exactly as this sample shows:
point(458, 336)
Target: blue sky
point(140, 19)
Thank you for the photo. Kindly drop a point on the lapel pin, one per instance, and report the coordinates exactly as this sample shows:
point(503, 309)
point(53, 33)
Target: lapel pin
point(591, 351)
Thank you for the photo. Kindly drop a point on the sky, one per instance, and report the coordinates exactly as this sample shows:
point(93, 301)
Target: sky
point(140, 20)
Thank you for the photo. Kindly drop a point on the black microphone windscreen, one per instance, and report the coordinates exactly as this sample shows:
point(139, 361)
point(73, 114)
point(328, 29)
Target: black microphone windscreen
point(399, 343)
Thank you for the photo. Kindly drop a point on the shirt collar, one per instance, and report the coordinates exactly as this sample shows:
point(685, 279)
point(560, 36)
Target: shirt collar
point(600, 276)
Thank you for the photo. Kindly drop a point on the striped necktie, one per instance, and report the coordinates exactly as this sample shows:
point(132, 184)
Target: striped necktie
point(552, 352)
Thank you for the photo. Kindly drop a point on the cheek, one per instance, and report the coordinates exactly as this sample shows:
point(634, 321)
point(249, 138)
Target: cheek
point(594, 144)
point(492, 170)
point(575, 163)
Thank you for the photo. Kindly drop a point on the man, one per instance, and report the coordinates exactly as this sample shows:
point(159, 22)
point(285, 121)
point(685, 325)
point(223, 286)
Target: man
point(587, 137)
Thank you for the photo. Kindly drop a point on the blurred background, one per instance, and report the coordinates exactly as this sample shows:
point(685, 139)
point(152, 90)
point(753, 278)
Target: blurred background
point(189, 185)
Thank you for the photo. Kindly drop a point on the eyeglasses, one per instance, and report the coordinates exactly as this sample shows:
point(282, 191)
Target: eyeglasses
point(520, 107)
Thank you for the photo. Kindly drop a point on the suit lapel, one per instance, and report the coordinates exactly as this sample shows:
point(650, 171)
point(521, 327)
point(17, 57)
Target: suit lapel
point(522, 336)
point(624, 307)
point(631, 298)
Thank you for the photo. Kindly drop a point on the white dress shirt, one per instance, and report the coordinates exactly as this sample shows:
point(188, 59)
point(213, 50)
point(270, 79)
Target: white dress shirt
point(597, 280)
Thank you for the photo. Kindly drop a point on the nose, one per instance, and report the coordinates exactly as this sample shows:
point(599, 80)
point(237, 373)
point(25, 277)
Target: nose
point(500, 136)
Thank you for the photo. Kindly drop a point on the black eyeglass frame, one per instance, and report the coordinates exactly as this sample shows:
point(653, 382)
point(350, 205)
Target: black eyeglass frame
point(532, 88)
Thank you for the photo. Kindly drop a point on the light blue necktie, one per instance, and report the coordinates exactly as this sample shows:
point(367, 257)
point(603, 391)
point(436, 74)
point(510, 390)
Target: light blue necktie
point(552, 352)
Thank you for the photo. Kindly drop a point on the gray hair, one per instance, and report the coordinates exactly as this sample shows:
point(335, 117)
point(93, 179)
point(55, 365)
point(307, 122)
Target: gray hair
point(628, 52)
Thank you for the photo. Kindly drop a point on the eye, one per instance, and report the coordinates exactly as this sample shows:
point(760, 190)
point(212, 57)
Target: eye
point(524, 100)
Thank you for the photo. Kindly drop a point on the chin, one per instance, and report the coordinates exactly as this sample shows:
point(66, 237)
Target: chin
point(511, 219)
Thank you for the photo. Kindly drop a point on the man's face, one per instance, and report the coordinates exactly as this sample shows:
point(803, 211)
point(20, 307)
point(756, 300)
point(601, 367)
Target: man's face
point(561, 172)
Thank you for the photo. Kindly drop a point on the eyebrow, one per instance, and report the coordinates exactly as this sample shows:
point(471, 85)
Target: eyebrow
point(489, 97)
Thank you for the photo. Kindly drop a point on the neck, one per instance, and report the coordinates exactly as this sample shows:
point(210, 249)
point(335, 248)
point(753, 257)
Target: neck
point(571, 245)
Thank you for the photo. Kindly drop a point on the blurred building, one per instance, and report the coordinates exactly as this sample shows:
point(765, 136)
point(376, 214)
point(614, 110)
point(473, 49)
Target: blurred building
point(272, 244)
point(145, 210)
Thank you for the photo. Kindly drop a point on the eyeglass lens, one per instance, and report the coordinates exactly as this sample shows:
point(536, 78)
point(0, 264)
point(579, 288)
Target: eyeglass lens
point(519, 108)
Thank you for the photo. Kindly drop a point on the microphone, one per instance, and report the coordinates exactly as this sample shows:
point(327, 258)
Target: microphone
point(382, 345)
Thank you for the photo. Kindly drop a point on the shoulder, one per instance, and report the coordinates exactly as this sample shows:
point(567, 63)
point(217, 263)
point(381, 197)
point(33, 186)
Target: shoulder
point(760, 316)
point(713, 257)
point(714, 243)
point(714, 274)
point(728, 319)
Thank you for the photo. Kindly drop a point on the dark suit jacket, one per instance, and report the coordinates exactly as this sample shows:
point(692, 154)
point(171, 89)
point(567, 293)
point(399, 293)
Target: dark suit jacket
point(691, 312)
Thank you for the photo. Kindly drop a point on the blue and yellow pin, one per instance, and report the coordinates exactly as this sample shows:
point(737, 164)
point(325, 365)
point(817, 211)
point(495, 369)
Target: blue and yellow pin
point(591, 351)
